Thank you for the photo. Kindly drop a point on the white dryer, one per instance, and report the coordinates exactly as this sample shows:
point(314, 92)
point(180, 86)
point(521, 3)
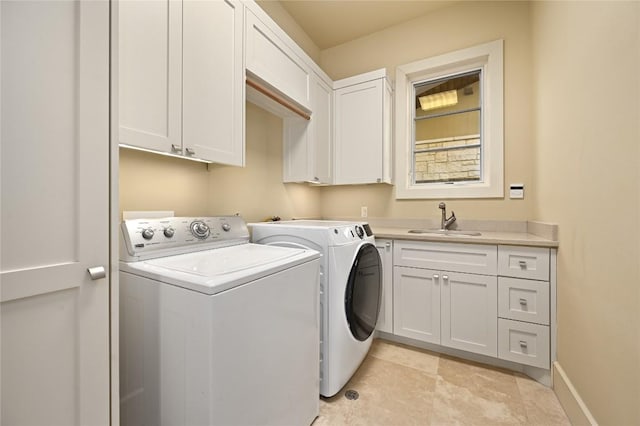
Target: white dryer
point(350, 289)
point(215, 330)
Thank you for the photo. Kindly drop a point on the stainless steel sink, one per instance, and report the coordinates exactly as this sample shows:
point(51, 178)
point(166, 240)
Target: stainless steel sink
point(449, 232)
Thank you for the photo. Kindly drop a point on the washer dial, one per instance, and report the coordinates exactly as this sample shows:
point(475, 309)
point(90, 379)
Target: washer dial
point(199, 229)
point(147, 233)
point(169, 232)
point(359, 231)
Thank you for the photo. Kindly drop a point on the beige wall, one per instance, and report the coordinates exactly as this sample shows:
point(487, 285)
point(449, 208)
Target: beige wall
point(275, 10)
point(586, 148)
point(155, 182)
point(455, 27)
point(257, 191)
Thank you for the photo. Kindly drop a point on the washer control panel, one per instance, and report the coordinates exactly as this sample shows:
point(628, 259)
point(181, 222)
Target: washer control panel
point(174, 235)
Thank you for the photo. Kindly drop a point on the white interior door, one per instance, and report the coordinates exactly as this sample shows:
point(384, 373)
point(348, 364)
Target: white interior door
point(55, 214)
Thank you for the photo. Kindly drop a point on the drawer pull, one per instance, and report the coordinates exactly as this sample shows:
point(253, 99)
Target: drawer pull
point(445, 278)
point(436, 277)
point(523, 344)
point(523, 264)
point(523, 301)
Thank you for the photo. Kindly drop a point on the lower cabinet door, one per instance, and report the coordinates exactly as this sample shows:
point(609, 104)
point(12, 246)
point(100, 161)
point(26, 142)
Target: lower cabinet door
point(470, 312)
point(385, 317)
point(416, 303)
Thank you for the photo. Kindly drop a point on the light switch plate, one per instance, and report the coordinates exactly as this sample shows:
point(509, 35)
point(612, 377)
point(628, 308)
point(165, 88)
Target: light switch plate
point(516, 190)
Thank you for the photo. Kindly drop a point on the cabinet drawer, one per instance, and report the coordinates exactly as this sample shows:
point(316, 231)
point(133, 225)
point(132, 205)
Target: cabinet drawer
point(469, 258)
point(523, 300)
point(524, 262)
point(523, 343)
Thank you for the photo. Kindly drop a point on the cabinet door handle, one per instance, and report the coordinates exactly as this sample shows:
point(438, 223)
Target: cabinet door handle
point(388, 245)
point(176, 148)
point(445, 278)
point(523, 264)
point(436, 278)
point(523, 344)
point(97, 272)
point(523, 301)
point(190, 151)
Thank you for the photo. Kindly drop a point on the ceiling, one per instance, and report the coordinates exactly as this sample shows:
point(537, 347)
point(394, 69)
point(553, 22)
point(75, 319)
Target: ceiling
point(332, 22)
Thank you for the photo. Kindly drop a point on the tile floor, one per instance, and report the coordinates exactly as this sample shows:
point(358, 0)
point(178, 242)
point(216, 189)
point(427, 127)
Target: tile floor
point(399, 385)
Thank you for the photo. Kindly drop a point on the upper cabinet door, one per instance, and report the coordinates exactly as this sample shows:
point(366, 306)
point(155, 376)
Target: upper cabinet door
point(150, 74)
point(358, 138)
point(273, 62)
point(362, 123)
point(213, 81)
point(54, 58)
point(308, 145)
point(322, 123)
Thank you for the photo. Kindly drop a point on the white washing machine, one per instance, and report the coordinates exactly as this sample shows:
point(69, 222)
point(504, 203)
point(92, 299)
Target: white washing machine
point(350, 289)
point(215, 330)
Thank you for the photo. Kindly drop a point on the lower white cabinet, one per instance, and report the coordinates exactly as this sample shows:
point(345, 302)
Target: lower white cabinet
point(483, 299)
point(452, 309)
point(524, 305)
point(385, 315)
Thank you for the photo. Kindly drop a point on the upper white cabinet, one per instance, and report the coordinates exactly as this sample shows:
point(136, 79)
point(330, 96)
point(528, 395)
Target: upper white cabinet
point(181, 78)
point(308, 143)
point(213, 81)
point(270, 60)
point(362, 129)
point(150, 74)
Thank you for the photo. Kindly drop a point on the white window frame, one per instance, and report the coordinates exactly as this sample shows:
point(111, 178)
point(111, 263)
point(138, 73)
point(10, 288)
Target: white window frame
point(489, 58)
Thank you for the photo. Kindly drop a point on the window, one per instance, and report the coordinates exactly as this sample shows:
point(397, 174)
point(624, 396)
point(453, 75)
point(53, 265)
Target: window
point(449, 133)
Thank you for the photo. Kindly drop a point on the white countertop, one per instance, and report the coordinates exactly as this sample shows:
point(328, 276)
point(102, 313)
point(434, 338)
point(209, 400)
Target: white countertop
point(486, 237)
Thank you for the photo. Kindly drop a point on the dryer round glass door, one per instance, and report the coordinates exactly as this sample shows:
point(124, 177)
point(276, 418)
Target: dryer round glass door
point(364, 289)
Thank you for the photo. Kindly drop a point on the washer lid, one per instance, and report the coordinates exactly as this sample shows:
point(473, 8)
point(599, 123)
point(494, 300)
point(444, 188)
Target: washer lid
point(213, 271)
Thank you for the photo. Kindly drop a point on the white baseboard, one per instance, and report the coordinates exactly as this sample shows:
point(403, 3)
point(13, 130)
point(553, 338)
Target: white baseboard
point(573, 405)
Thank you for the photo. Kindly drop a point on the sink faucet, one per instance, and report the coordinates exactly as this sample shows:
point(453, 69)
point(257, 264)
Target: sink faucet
point(446, 223)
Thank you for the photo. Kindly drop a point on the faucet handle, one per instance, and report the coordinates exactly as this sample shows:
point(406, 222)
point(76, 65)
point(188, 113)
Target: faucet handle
point(442, 206)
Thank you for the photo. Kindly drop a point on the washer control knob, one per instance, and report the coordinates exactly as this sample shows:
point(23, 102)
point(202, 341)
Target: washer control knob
point(147, 233)
point(169, 232)
point(226, 227)
point(359, 231)
point(199, 229)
